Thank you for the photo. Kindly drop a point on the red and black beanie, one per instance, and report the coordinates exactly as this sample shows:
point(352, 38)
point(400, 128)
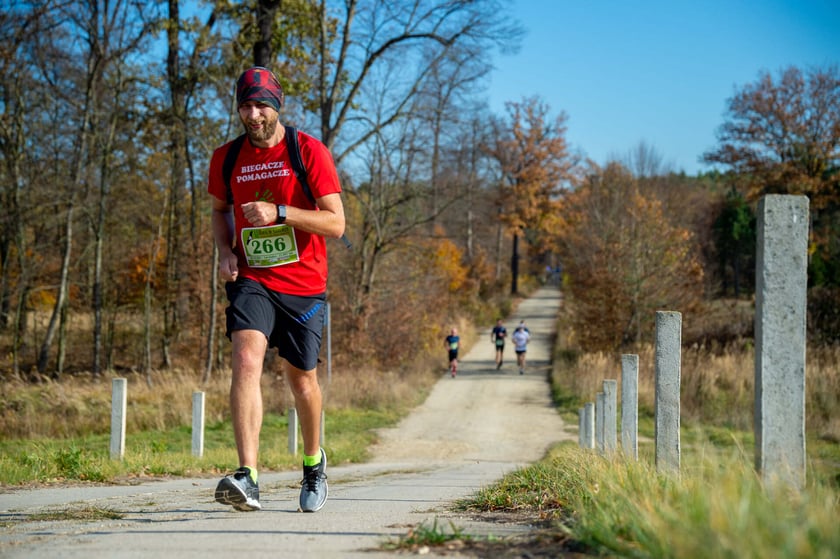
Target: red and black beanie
point(259, 84)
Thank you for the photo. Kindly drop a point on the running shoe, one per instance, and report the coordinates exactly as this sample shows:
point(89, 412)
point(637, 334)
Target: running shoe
point(314, 490)
point(239, 491)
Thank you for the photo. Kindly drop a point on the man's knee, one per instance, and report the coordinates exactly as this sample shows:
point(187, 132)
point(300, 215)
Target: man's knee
point(304, 384)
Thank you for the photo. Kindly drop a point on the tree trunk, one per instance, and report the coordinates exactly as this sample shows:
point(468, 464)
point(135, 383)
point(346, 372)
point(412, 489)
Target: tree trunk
point(514, 265)
point(43, 354)
point(266, 12)
point(99, 236)
point(499, 239)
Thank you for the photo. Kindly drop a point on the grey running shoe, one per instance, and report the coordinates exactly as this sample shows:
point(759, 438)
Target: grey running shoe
point(314, 490)
point(239, 491)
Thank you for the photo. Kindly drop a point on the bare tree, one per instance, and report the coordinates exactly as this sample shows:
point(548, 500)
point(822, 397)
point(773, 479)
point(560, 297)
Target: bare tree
point(80, 105)
point(372, 32)
point(18, 92)
point(645, 161)
point(390, 75)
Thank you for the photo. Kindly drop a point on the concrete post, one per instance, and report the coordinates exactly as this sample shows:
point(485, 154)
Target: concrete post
point(780, 336)
point(581, 427)
point(589, 425)
point(630, 406)
point(599, 422)
point(119, 401)
point(198, 424)
point(667, 355)
point(293, 431)
point(610, 415)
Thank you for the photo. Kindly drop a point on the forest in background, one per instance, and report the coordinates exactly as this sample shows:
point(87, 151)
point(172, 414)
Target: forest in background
point(110, 112)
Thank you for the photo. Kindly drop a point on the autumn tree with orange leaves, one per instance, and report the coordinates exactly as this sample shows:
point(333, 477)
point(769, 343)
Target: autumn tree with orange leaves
point(535, 169)
point(624, 260)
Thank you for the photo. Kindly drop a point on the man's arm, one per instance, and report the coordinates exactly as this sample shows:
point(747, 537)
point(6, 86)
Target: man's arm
point(222, 221)
point(327, 221)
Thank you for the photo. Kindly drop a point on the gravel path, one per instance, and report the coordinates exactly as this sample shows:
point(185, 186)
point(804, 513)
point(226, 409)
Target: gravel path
point(470, 431)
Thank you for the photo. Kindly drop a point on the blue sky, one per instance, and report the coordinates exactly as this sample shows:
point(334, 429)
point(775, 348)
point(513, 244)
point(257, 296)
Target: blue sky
point(656, 71)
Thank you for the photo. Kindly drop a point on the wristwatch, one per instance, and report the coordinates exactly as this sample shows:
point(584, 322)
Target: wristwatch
point(281, 214)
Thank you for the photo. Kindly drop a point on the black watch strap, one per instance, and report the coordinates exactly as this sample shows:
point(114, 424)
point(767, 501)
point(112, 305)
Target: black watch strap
point(281, 214)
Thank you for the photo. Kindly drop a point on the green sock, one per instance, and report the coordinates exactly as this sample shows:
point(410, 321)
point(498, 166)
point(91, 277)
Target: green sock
point(312, 460)
point(253, 473)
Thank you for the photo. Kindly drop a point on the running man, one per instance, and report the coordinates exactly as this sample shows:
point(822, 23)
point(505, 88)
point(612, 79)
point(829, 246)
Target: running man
point(520, 344)
point(497, 336)
point(277, 294)
point(452, 341)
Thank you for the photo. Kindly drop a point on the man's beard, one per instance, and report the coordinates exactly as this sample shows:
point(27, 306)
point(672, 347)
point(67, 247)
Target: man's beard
point(264, 133)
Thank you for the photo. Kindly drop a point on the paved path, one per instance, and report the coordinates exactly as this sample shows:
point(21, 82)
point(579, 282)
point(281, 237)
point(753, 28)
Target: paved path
point(470, 431)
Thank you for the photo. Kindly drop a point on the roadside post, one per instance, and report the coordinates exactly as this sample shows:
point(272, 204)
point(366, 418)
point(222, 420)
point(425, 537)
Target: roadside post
point(667, 422)
point(780, 338)
point(119, 400)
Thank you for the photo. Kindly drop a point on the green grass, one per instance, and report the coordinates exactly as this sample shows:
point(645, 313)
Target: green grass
point(717, 507)
point(428, 535)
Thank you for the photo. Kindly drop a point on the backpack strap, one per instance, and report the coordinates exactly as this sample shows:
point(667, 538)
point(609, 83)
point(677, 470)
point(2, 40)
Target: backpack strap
point(299, 169)
point(228, 164)
point(296, 160)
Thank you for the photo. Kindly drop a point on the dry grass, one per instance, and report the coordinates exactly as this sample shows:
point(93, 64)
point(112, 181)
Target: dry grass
point(717, 377)
point(80, 405)
point(717, 388)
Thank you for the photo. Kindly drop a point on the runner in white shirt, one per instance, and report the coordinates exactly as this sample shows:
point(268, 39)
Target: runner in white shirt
point(520, 342)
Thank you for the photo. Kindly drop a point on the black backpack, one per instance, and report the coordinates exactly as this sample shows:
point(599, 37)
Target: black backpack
point(295, 160)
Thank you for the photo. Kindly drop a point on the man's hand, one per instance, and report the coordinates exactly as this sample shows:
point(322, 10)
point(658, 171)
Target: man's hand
point(228, 266)
point(260, 214)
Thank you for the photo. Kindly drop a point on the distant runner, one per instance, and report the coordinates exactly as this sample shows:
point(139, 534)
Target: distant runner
point(497, 336)
point(452, 341)
point(520, 341)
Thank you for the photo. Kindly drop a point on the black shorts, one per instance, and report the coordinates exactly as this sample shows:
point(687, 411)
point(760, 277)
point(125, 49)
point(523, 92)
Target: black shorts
point(292, 324)
point(453, 355)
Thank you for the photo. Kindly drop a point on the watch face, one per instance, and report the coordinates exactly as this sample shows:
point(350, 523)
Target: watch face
point(281, 214)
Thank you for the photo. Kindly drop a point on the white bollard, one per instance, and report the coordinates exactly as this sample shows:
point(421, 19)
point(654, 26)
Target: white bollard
point(610, 416)
point(119, 400)
point(630, 406)
point(198, 424)
point(589, 425)
point(599, 422)
point(781, 286)
point(668, 352)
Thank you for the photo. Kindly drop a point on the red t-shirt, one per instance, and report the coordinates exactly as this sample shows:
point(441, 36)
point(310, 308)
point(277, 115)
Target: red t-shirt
point(265, 174)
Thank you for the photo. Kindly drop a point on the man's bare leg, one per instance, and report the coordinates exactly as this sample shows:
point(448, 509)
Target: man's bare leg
point(246, 403)
point(307, 394)
point(241, 489)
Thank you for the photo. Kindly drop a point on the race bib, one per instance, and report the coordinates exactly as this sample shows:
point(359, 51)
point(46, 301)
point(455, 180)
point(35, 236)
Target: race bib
point(266, 247)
